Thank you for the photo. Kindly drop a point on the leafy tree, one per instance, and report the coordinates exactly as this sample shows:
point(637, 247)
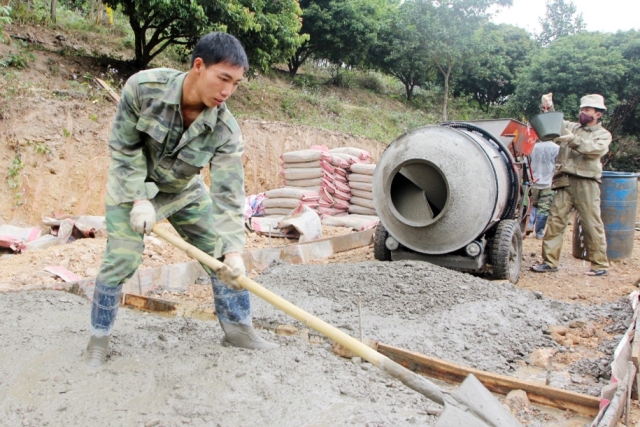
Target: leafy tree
point(268, 28)
point(500, 51)
point(340, 31)
point(561, 19)
point(399, 50)
point(449, 36)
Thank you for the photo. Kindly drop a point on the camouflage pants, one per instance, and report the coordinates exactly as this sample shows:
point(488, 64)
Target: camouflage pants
point(196, 225)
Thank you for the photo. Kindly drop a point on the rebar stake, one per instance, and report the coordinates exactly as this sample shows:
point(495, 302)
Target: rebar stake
point(360, 316)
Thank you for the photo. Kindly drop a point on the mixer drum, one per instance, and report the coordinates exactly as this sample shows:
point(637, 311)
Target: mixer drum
point(437, 189)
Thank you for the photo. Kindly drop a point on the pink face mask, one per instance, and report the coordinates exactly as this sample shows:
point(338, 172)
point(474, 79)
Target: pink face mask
point(585, 118)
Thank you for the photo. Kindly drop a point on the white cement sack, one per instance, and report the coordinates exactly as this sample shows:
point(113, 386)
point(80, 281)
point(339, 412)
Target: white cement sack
point(303, 173)
point(281, 203)
point(277, 211)
point(361, 193)
point(363, 169)
point(294, 193)
point(358, 223)
point(303, 183)
point(356, 177)
point(301, 156)
point(357, 152)
point(363, 186)
point(361, 210)
point(308, 165)
point(360, 201)
point(303, 221)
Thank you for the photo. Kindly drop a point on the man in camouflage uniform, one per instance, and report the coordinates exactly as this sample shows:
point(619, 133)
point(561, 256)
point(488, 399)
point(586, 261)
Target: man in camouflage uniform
point(577, 185)
point(168, 126)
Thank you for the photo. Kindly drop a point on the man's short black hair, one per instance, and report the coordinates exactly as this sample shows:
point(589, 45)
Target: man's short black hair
point(599, 110)
point(218, 47)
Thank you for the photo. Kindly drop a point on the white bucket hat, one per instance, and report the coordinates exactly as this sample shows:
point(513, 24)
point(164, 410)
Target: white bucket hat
point(594, 101)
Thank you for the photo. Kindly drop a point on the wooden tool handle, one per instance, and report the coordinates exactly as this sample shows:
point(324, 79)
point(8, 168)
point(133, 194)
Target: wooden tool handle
point(410, 379)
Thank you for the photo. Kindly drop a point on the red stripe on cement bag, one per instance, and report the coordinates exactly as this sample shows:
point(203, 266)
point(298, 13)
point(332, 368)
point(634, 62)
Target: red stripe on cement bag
point(293, 193)
point(301, 156)
point(335, 160)
point(361, 210)
point(303, 183)
point(342, 186)
point(309, 165)
point(364, 186)
point(341, 204)
point(342, 195)
point(348, 157)
point(357, 152)
point(303, 173)
point(363, 169)
point(281, 203)
point(340, 178)
point(361, 193)
point(329, 185)
point(330, 211)
point(325, 195)
point(311, 203)
point(356, 177)
point(341, 171)
point(363, 202)
point(327, 167)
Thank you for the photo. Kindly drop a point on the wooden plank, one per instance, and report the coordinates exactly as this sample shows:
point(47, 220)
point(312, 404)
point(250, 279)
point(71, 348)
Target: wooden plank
point(502, 384)
point(169, 308)
point(614, 411)
point(112, 93)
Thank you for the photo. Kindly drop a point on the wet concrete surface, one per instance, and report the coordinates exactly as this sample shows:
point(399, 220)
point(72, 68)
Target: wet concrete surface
point(173, 371)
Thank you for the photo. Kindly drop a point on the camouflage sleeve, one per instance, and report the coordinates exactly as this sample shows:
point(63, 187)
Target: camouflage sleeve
point(128, 168)
point(227, 193)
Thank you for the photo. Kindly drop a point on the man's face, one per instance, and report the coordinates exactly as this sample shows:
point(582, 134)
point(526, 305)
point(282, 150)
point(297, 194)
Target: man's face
point(217, 82)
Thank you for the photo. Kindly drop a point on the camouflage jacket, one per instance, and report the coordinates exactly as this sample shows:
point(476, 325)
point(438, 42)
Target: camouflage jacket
point(581, 156)
point(153, 157)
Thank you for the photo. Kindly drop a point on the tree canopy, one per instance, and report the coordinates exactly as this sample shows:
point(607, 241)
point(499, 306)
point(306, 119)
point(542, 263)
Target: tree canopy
point(561, 19)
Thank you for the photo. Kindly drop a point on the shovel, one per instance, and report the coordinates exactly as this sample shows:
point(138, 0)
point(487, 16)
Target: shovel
point(471, 405)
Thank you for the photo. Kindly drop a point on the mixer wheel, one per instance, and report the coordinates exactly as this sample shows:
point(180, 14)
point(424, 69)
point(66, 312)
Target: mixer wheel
point(506, 251)
point(380, 251)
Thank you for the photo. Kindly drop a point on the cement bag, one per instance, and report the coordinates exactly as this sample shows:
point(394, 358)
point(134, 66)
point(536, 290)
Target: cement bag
point(363, 202)
point(304, 222)
point(327, 167)
point(363, 186)
point(348, 157)
point(329, 185)
point(341, 204)
point(363, 169)
point(303, 173)
point(303, 183)
point(294, 193)
point(326, 195)
point(362, 194)
point(311, 203)
point(301, 156)
point(277, 211)
point(357, 152)
point(335, 160)
point(342, 186)
point(358, 223)
point(341, 178)
point(281, 203)
point(361, 210)
point(342, 195)
point(341, 171)
point(356, 177)
point(330, 211)
point(309, 165)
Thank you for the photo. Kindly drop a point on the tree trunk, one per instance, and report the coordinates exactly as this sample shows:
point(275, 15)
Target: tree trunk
point(446, 95)
point(53, 11)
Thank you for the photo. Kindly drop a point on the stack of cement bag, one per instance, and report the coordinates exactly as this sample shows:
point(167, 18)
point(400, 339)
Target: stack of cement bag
point(282, 201)
point(361, 186)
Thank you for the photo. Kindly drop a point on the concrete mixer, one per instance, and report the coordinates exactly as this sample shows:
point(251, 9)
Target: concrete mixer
point(455, 195)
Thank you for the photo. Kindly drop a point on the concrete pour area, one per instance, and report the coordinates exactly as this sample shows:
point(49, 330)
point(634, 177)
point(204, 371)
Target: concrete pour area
point(173, 371)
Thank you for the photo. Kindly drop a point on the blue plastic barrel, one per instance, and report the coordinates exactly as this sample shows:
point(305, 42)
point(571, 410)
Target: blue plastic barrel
point(618, 207)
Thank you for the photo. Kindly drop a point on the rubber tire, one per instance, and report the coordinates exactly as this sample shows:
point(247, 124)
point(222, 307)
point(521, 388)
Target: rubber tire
point(380, 250)
point(506, 251)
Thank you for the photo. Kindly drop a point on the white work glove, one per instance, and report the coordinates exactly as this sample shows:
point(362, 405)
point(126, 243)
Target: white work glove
point(547, 101)
point(232, 268)
point(565, 138)
point(142, 216)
